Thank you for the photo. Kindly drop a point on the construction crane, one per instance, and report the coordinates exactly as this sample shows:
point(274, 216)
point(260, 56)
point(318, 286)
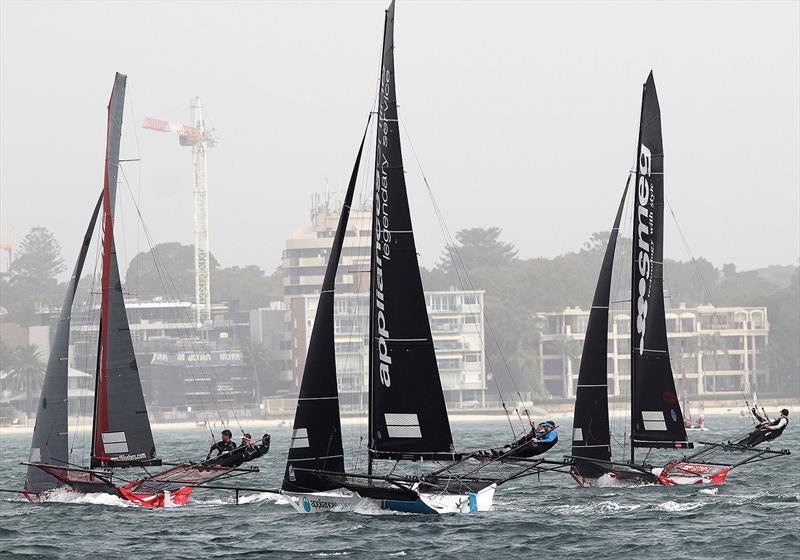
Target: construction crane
point(200, 139)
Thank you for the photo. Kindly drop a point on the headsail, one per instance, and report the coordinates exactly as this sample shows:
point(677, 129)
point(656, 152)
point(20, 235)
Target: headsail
point(407, 417)
point(317, 431)
point(591, 437)
point(121, 430)
point(656, 418)
point(50, 443)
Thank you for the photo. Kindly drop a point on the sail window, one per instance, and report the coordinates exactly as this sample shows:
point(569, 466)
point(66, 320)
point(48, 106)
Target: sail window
point(299, 438)
point(654, 420)
point(36, 455)
point(115, 442)
point(577, 434)
point(402, 425)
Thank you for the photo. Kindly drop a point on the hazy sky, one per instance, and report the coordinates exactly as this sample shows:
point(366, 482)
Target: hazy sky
point(524, 115)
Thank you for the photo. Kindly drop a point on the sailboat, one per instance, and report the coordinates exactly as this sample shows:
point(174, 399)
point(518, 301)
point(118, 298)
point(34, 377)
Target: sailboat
point(407, 416)
point(121, 434)
point(656, 418)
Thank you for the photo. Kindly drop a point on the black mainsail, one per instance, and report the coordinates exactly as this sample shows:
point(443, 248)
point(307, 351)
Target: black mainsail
point(121, 431)
point(656, 418)
point(407, 415)
point(50, 442)
point(591, 437)
point(317, 431)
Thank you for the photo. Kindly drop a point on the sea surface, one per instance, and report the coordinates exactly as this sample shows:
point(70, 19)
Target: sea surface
point(756, 514)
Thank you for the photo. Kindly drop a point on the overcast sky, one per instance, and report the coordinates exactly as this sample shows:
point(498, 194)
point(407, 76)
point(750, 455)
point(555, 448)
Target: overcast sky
point(524, 116)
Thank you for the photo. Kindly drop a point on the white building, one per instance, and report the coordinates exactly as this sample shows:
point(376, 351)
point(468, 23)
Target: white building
point(712, 349)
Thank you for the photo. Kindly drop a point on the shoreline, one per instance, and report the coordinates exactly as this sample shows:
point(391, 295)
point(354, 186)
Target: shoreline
point(456, 417)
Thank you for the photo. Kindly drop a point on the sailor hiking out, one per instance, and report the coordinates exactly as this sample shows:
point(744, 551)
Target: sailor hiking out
point(226, 445)
point(541, 438)
point(767, 430)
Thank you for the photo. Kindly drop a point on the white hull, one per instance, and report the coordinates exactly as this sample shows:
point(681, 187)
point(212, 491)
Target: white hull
point(428, 503)
point(459, 503)
point(318, 502)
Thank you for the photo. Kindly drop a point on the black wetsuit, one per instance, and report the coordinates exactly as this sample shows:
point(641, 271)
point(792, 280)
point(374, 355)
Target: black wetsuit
point(221, 447)
point(762, 434)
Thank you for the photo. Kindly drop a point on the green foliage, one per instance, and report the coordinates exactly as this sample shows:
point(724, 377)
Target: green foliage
point(32, 279)
point(783, 352)
point(477, 248)
point(25, 371)
point(250, 286)
point(38, 260)
point(166, 270)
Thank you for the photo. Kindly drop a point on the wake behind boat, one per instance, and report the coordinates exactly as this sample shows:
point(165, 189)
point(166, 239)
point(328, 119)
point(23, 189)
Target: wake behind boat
point(121, 434)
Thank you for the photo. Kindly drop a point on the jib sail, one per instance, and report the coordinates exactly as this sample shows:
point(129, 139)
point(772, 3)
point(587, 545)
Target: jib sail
point(50, 438)
point(317, 432)
point(407, 417)
point(656, 418)
point(591, 437)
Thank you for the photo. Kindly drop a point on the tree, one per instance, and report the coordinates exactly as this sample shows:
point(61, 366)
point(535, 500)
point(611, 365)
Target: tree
point(32, 279)
point(783, 352)
point(38, 260)
point(477, 248)
point(249, 286)
point(166, 270)
point(26, 371)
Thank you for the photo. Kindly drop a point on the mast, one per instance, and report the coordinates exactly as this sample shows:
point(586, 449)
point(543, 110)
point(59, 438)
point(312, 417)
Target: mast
point(373, 247)
point(121, 434)
point(49, 444)
point(591, 437)
point(656, 417)
point(317, 431)
point(634, 281)
point(407, 418)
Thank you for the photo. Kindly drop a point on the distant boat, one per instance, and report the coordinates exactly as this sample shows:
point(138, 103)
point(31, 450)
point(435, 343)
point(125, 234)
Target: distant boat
point(121, 434)
point(407, 416)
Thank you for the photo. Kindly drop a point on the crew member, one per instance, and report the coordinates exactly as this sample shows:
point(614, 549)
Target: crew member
point(224, 446)
point(541, 438)
point(767, 430)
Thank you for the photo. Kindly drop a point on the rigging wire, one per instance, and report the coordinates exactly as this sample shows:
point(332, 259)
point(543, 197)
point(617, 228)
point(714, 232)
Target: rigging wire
point(455, 258)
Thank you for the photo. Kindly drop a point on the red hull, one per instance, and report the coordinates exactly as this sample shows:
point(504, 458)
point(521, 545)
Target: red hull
point(177, 498)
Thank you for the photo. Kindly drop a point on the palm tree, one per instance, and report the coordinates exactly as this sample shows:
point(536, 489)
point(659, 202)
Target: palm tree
point(26, 370)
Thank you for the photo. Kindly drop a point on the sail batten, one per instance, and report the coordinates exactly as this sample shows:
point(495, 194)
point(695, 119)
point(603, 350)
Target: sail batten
point(404, 376)
point(656, 417)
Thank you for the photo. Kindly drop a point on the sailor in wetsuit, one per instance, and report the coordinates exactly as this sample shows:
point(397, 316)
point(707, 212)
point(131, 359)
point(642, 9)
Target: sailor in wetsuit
point(224, 446)
point(536, 442)
point(767, 430)
point(540, 439)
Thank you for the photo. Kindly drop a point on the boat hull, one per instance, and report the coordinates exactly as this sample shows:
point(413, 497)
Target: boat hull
point(323, 502)
point(86, 481)
point(427, 503)
point(445, 502)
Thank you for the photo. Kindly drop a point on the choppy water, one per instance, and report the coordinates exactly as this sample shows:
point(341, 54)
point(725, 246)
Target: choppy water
point(757, 513)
